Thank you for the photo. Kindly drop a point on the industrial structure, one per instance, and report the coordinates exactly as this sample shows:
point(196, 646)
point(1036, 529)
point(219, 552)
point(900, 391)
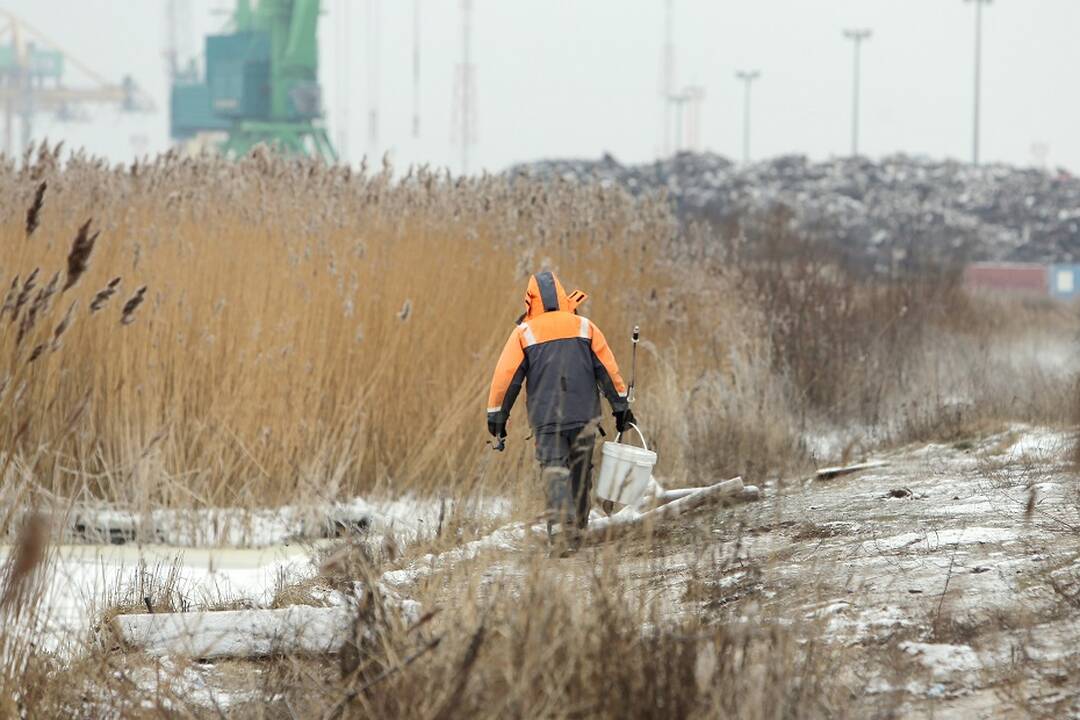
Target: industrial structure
point(1060, 281)
point(261, 83)
point(747, 78)
point(857, 36)
point(464, 110)
point(32, 82)
point(680, 112)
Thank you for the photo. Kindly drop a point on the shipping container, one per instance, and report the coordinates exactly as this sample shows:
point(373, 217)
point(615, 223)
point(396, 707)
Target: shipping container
point(1024, 278)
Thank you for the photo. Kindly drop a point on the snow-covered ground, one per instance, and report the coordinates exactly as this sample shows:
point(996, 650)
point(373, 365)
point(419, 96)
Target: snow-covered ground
point(407, 518)
point(86, 579)
point(945, 572)
point(936, 570)
point(216, 557)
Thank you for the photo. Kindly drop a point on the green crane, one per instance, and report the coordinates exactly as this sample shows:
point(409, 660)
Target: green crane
point(261, 83)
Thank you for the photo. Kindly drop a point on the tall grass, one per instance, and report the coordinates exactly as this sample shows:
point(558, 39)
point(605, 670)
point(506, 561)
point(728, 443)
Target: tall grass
point(305, 331)
point(266, 331)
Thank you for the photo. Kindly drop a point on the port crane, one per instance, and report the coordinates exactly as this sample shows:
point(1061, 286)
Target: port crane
point(32, 82)
point(261, 83)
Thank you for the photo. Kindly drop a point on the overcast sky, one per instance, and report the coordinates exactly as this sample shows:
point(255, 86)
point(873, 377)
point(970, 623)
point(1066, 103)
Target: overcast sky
point(582, 77)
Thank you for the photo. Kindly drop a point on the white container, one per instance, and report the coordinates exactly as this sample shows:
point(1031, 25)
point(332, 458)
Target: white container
point(625, 471)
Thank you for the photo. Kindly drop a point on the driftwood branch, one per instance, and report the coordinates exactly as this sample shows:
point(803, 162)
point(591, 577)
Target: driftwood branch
point(835, 472)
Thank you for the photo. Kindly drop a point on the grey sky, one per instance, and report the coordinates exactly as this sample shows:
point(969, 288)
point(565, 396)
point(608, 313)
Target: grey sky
point(580, 77)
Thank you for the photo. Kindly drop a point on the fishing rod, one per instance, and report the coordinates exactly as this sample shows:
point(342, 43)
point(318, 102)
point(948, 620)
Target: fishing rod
point(635, 338)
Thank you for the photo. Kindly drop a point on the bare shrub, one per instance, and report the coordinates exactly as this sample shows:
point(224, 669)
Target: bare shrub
point(546, 648)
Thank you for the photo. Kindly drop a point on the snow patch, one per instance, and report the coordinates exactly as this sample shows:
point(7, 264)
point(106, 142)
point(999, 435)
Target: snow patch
point(933, 539)
point(408, 519)
point(945, 662)
point(1040, 444)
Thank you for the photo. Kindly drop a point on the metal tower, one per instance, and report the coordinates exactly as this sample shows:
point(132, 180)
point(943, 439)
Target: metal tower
point(374, 51)
point(343, 54)
point(465, 90)
point(687, 107)
point(668, 98)
point(416, 70)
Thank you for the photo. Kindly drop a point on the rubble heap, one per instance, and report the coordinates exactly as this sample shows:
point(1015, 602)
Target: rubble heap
point(880, 211)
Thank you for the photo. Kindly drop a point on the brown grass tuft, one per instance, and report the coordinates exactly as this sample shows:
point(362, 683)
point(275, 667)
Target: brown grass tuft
point(79, 257)
point(103, 295)
point(16, 580)
point(33, 214)
point(128, 315)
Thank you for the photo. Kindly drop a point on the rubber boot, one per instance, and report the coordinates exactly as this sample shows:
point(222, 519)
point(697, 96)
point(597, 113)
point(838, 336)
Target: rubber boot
point(561, 507)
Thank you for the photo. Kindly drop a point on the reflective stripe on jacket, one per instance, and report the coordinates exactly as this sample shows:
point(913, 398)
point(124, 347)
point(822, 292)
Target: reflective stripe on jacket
point(562, 357)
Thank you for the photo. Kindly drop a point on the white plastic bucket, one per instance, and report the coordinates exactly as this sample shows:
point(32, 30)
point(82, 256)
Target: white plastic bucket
point(625, 470)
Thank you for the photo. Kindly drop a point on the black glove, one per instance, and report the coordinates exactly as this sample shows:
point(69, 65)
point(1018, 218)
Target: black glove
point(623, 419)
point(497, 428)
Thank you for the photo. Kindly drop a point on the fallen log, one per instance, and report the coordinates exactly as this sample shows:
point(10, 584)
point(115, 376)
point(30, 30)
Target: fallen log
point(835, 472)
point(296, 630)
point(229, 527)
point(697, 498)
point(750, 493)
point(508, 537)
point(628, 517)
point(666, 496)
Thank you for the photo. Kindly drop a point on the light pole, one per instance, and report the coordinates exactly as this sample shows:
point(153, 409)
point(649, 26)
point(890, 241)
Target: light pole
point(679, 102)
point(747, 77)
point(978, 78)
point(857, 37)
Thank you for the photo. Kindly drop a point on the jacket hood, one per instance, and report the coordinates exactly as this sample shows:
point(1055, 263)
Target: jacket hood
point(545, 294)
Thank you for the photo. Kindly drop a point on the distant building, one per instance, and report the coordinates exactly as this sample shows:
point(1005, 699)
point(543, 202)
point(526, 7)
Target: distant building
point(1023, 278)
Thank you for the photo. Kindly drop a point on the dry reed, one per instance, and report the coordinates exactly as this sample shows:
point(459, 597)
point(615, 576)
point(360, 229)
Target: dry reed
point(311, 332)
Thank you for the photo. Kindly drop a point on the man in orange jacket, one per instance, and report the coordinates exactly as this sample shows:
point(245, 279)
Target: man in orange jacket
point(564, 360)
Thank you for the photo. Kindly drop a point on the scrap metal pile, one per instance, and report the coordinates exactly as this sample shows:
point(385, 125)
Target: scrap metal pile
point(879, 213)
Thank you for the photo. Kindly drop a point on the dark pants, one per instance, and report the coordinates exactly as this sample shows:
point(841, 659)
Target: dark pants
point(566, 469)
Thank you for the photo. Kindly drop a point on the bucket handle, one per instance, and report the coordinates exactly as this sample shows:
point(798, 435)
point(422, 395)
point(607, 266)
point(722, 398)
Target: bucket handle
point(644, 444)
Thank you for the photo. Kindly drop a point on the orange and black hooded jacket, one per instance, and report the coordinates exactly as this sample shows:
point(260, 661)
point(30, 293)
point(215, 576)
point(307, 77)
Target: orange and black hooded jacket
point(563, 359)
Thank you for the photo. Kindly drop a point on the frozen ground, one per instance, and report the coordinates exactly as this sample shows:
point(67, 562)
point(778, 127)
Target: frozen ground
point(948, 578)
point(215, 558)
point(86, 579)
point(407, 518)
point(948, 575)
